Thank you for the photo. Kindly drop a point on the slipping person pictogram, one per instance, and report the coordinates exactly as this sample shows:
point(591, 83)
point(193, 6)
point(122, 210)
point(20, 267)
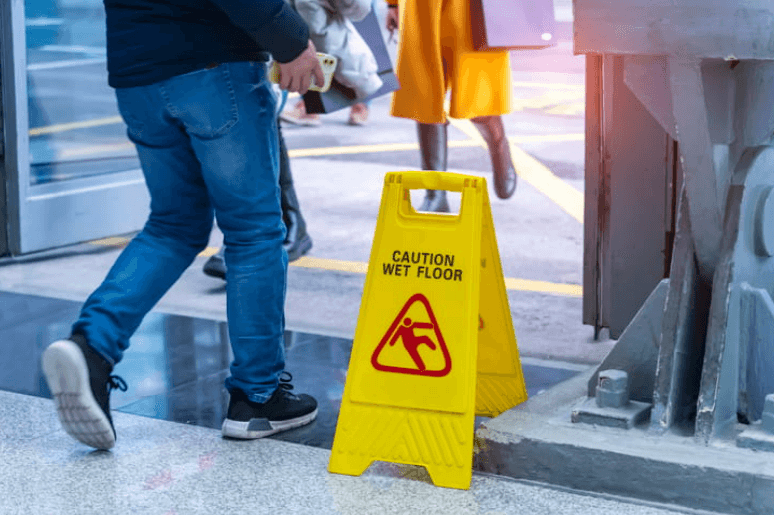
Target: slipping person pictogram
point(412, 342)
point(403, 327)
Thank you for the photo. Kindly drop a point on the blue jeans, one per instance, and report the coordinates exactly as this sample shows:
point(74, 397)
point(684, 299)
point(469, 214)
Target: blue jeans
point(207, 142)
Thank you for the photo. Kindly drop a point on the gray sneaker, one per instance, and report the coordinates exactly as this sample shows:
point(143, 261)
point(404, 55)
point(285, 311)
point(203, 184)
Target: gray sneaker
point(80, 383)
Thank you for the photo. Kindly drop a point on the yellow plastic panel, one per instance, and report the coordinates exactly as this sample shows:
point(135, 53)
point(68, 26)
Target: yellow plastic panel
point(500, 381)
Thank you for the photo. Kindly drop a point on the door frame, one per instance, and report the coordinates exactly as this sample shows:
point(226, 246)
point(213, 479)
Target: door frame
point(56, 214)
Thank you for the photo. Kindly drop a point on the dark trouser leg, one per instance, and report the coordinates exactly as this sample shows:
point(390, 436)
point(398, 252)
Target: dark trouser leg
point(491, 128)
point(297, 242)
point(434, 151)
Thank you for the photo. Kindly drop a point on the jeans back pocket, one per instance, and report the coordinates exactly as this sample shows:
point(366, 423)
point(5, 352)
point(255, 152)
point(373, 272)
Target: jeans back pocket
point(204, 101)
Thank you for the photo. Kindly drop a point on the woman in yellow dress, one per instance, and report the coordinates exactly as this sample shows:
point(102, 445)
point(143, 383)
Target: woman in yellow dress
point(436, 54)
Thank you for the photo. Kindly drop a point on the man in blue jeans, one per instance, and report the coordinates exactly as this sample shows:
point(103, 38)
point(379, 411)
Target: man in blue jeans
point(192, 87)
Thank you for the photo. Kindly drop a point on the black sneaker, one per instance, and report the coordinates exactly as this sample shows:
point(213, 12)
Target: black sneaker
point(80, 381)
point(283, 411)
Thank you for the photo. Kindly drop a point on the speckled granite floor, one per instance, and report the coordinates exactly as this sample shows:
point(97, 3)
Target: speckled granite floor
point(170, 457)
point(168, 468)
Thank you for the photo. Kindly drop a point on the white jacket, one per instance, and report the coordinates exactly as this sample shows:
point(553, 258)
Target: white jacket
point(331, 30)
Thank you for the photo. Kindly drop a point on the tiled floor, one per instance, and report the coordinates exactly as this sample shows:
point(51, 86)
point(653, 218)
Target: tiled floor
point(176, 365)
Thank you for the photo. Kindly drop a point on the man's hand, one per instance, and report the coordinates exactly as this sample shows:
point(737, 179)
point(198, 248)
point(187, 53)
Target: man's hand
point(392, 19)
point(296, 76)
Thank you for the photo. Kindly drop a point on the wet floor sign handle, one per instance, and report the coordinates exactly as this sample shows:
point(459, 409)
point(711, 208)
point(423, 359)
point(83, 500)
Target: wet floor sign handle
point(432, 180)
point(434, 343)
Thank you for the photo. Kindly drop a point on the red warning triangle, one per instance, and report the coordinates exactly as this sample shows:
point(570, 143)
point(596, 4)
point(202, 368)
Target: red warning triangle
point(402, 332)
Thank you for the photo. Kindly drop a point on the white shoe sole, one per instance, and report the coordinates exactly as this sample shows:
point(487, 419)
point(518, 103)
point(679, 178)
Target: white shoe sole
point(68, 379)
point(234, 429)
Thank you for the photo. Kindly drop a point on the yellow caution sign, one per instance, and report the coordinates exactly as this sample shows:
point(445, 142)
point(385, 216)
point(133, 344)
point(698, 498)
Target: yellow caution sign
point(434, 343)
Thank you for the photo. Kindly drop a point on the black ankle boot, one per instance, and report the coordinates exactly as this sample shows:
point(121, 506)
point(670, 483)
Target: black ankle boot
point(216, 265)
point(505, 178)
point(434, 152)
point(435, 202)
point(297, 241)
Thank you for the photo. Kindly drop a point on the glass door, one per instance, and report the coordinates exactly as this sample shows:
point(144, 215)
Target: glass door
point(70, 173)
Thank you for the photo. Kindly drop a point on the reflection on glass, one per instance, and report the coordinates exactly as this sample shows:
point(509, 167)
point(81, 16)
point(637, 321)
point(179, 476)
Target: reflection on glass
point(75, 128)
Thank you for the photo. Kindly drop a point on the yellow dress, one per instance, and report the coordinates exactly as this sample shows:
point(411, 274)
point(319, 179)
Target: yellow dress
point(436, 54)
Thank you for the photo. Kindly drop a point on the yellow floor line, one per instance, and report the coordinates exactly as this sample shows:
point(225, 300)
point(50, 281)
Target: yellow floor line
point(358, 267)
point(568, 290)
point(98, 122)
point(112, 148)
point(351, 149)
point(209, 251)
point(533, 103)
point(355, 267)
point(113, 241)
point(396, 147)
point(364, 149)
point(535, 173)
point(343, 150)
point(540, 177)
point(563, 289)
point(75, 125)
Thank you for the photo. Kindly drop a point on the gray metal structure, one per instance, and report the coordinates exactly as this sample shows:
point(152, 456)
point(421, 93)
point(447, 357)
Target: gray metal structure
point(704, 70)
point(629, 229)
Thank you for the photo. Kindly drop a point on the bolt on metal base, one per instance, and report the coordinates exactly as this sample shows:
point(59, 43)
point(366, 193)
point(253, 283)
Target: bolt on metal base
point(612, 407)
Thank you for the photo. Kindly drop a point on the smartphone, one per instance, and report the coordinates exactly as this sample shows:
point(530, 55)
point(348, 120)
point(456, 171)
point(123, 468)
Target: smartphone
point(327, 63)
